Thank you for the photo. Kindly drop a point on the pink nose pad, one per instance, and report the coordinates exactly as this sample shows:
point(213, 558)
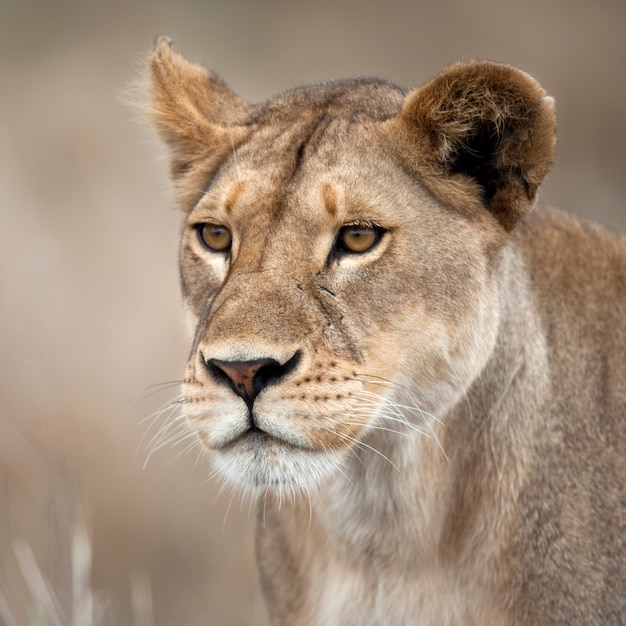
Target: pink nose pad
point(248, 378)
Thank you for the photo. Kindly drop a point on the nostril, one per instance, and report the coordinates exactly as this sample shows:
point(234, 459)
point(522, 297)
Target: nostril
point(248, 378)
point(265, 375)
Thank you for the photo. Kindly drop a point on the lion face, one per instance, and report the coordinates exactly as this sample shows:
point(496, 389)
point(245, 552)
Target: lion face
point(325, 281)
point(316, 302)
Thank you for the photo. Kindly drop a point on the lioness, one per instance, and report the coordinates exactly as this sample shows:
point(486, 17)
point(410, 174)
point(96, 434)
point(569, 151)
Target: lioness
point(423, 380)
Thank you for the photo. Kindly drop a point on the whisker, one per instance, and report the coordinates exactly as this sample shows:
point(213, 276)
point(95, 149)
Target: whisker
point(232, 496)
point(152, 390)
point(177, 435)
point(164, 385)
point(341, 471)
point(192, 445)
point(308, 495)
point(385, 406)
point(201, 454)
point(171, 433)
point(375, 426)
point(167, 409)
point(413, 409)
point(170, 405)
point(166, 428)
point(362, 444)
point(402, 433)
point(438, 442)
point(393, 384)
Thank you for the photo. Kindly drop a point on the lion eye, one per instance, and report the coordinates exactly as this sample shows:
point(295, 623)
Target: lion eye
point(214, 237)
point(357, 238)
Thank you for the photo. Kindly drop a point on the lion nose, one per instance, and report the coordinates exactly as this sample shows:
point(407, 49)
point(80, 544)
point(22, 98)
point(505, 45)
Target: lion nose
point(248, 378)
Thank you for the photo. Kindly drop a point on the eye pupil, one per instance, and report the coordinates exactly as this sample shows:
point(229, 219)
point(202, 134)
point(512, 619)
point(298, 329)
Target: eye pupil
point(358, 238)
point(215, 237)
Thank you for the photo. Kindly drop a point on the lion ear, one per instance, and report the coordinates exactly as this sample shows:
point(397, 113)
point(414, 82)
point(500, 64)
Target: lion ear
point(481, 135)
point(196, 114)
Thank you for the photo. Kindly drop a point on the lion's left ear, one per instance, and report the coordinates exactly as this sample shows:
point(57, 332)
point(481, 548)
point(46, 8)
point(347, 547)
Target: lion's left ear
point(197, 115)
point(480, 135)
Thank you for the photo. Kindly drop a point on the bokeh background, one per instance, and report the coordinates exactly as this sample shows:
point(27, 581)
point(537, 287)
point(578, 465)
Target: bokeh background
point(90, 319)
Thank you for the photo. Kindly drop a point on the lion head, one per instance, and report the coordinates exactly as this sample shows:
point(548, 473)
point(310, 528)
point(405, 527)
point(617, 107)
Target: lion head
point(339, 254)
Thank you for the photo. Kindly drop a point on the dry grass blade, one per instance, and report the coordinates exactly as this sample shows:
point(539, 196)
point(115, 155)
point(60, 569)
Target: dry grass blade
point(6, 612)
point(53, 588)
point(141, 596)
point(82, 596)
point(42, 595)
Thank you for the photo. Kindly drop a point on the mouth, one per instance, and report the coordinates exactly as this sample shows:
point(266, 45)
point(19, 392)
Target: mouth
point(255, 437)
point(258, 462)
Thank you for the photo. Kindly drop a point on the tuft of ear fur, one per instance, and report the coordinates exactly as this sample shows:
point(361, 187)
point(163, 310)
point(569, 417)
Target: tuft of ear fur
point(196, 114)
point(480, 134)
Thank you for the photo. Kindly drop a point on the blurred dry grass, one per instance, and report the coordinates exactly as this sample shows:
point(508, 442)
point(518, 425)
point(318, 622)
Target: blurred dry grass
point(90, 316)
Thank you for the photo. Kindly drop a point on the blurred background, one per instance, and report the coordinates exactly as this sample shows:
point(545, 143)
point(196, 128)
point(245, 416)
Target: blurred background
point(90, 323)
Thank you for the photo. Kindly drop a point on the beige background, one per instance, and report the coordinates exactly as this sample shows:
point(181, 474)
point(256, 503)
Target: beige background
point(90, 316)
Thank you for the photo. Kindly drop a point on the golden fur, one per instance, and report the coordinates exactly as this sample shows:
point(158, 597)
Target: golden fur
point(436, 425)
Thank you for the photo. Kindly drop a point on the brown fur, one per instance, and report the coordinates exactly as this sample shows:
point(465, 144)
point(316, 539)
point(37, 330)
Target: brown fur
point(439, 435)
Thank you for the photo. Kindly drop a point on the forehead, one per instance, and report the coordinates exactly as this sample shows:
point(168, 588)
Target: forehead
point(357, 99)
point(316, 121)
point(267, 178)
point(311, 146)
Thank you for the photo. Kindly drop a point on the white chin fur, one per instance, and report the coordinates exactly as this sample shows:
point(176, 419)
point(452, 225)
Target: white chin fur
point(258, 467)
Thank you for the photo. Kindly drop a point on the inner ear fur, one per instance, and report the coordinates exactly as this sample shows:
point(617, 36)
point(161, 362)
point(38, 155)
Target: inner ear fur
point(196, 114)
point(480, 135)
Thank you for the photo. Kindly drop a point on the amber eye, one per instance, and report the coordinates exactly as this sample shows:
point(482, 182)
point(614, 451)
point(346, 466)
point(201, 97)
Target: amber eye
point(358, 238)
point(214, 237)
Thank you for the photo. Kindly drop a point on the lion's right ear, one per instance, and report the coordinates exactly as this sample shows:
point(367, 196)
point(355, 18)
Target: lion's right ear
point(197, 116)
point(481, 136)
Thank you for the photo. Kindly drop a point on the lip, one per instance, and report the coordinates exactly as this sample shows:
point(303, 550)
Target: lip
point(255, 436)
